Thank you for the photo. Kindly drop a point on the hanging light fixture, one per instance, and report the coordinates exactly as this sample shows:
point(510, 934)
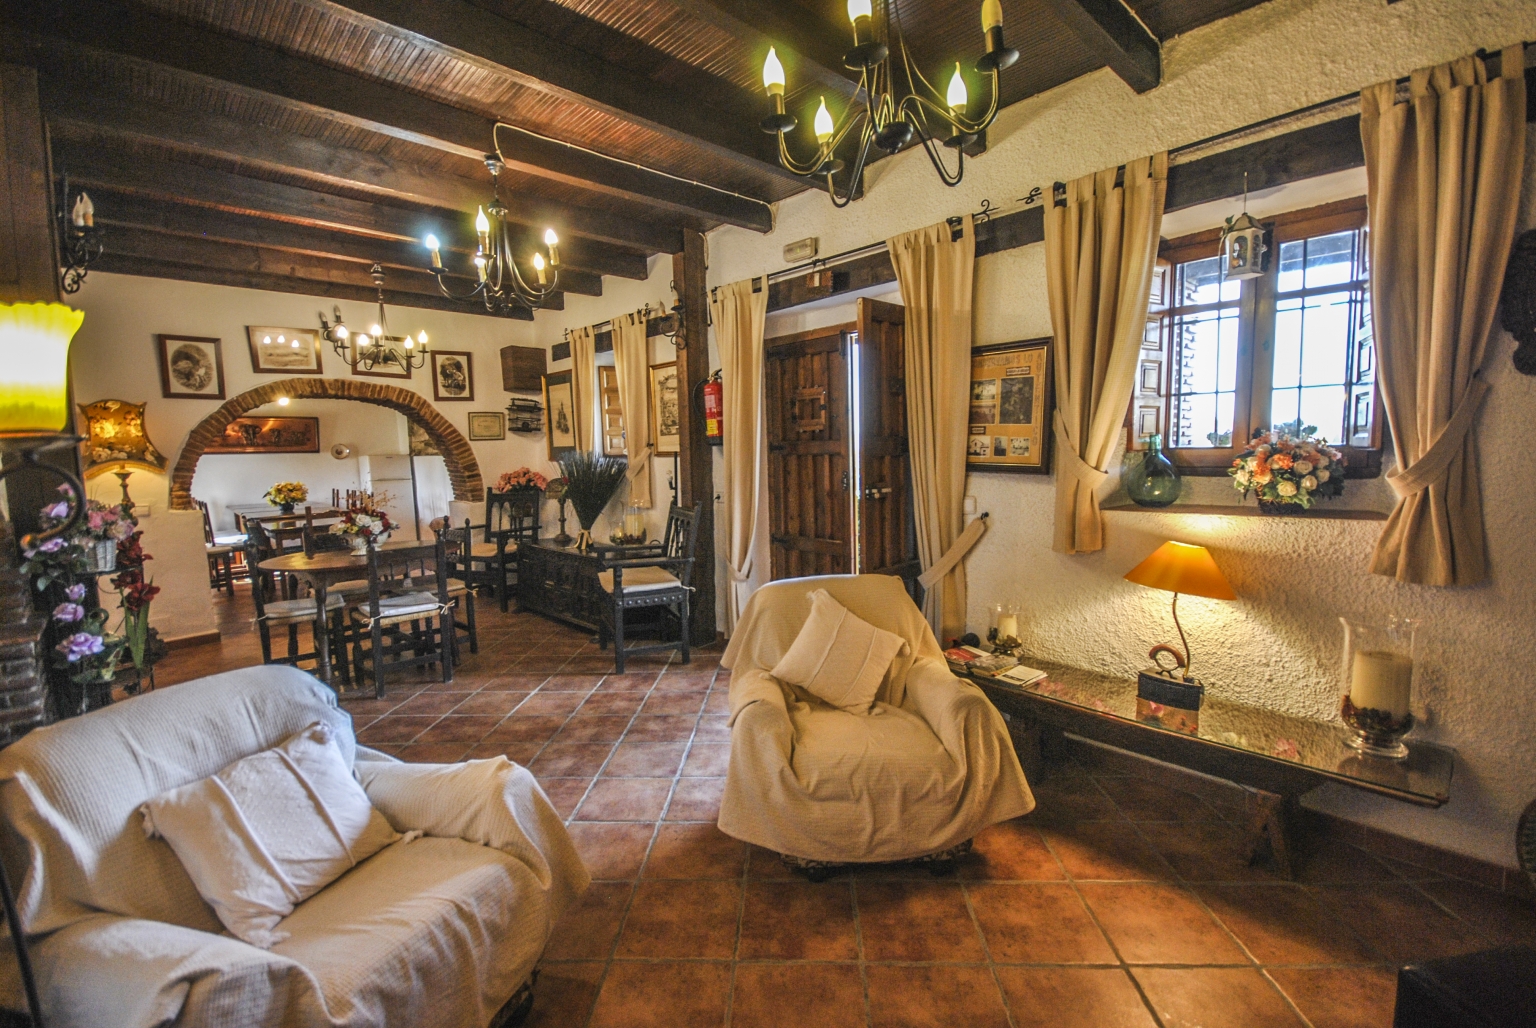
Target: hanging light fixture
point(501, 286)
point(894, 103)
point(365, 351)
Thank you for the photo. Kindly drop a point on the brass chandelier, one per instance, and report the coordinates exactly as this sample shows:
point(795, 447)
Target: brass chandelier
point(367, 351)
point(885, 113)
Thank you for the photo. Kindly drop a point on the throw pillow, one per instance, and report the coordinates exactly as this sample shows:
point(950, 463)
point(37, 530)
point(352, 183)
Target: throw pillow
point(838, 656)
point(269, 831)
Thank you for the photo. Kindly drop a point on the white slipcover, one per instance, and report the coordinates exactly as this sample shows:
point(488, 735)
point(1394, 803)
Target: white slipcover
point(927, 769)
point(439, 931)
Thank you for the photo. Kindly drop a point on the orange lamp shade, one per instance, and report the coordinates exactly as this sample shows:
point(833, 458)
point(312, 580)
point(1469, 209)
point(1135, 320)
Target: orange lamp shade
point(34, 366)
point(1182, 568)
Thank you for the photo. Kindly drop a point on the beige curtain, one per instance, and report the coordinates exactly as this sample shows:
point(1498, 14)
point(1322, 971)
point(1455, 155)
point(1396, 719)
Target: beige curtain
point(1100, 250)
point(1444, 187)
point(739, 314)
point(584, 386)
point(631, 360)
point(936, 275)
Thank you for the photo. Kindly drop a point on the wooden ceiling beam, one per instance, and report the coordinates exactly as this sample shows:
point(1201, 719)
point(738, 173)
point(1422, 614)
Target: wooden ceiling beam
point(810, 46)
point(275, 75)
point(1110, 30)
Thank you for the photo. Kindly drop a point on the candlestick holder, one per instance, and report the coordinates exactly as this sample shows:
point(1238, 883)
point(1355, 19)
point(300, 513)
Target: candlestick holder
point(1004, 633)
point(1377, 685)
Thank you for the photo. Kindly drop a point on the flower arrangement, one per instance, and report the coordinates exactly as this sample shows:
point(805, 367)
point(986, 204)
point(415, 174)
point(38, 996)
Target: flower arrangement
point(286, 494)
point(521, 478)
point(1287, 469)
point(369, 526)
point(134, 595)
point(590, 482)
point(100, 524)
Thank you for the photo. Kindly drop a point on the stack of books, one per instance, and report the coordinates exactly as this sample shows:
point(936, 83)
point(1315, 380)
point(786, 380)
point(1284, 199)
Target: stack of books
point(971, 660)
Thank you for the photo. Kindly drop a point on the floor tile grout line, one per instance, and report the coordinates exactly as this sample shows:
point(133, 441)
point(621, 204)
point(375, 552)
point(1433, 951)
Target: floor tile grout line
point(858, 942)
point(986, 947)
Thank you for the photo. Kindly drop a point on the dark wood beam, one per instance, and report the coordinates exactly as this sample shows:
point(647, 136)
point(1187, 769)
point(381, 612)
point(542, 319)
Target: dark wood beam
point(695, 465)
point(365, 103)
point(1291, 157)
point(29, 270)
point(1110, 30)
point(810, 46)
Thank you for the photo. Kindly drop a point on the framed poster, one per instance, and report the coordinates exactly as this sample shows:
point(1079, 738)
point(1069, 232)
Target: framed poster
point(1010, 408)
point(484, 425)
point(560, 408)
point(453, 375)
point(666, 408)
point(391, 370)
point(269, 435)
point(284, 351)
point(191, 367)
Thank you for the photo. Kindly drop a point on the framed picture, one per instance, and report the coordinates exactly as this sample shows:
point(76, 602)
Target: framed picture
point(666, 408)
point(191, 367)
point(379, 370)
point(269, 435)
point(560, 404)
point(485, 425)
point(284, 351)
point(1010, 408)
point(453, 375)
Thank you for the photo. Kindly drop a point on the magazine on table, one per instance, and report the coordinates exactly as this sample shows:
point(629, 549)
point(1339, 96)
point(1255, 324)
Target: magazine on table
point(974, 660)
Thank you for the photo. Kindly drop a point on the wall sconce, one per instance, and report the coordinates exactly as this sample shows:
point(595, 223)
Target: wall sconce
point(79, 238)
point(116, 442)
point(677, 320)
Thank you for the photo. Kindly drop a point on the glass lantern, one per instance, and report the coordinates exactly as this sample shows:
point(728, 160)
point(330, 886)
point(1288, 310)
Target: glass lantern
point(1377, 685)
point(1004, 632)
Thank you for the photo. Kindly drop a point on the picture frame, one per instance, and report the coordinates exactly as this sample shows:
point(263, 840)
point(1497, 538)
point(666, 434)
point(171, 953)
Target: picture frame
point(394, 371)
point(666, 409)
point(268, 435)
point(1011, 400)
point(191, 367)
point(284, 351)
point(560, 405)
point(486, 426)
point(453, 375)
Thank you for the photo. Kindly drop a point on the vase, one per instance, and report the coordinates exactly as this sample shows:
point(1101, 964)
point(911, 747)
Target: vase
point(1276, 508)
point(1155, 481)
point(1377, 685)
point(101, 555)
point(286, 508)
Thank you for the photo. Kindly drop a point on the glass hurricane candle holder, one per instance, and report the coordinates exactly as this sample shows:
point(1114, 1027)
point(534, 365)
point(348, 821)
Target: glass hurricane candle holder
point(1004, 632)
point(1377, 685)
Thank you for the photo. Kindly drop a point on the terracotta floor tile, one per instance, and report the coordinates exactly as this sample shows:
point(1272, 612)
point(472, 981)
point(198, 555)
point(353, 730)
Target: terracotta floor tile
point(1332, 862)
point(663, 995)
point(571, 683)
point(1066, 799)
point(564, 994)
point(565, 793)
point(432, 702)
point(518, 682)
point(707, 760)
point(765, 865)
point(396, 728)
point(682, 920)
point(916, 921)
point(489, 701)
point(595, 728)
point(590, 664)
point(934, 997)
point(631, 682)
point(612, 852)
point(797, 996)
point(1038, 924)
point(625, 799)
point(696, 799)
point(1012, 850)
point(1207, 851)
point(517, 752)
point(1141, 800)
point(1285, 924)
point(1153, 923)
point(570, 759)
point(695, 851)
point(526, 728)
point(588, 929)
point(688, 703)
point(1073, 997)
point(666, 728)
point(719, 701)
point(468, 729)
point(646, 760)
point(797, 920)
point(552, 703)
point(613, 703)
point(433, 752)
point(673, 681)
point(1215, 997)
point(1355, 997)
point(1105, 851)
point(1401, 923)
point(543, 665)
point(1505, 920)
point(369, 707)
point(713, 728)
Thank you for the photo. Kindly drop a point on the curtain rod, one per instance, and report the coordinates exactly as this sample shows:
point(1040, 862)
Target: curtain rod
point(607, 325)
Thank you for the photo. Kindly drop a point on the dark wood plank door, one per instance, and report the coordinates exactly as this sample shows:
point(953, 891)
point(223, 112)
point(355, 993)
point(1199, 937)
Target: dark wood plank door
point(810, 518)
point(887, 533)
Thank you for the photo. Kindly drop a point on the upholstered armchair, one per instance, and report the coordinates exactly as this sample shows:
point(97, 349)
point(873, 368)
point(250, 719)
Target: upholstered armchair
point(929, 765)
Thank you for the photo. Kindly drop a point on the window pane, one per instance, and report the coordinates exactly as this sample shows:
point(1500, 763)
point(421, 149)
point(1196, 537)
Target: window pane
point(1288, 322)
point(1205, 378)
point(1323, 406)
point(1330, 259)
point(1292, 264)
point(1200, 282)
point(1325, 329)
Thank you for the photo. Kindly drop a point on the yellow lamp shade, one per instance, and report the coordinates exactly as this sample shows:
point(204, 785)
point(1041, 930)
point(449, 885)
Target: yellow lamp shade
point(1182, 568)
point(34, 366)
point(115, 439)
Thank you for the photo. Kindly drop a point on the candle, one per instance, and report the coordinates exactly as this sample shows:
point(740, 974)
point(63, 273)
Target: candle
point(1008, 627)
point(991, 15)
point(1381, 681)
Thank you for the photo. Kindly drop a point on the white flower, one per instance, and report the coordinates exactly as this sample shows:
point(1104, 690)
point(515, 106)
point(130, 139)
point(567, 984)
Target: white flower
point(1242, 477)
point(1323, 475)
point(1302, 467)
point(1309, 483)
point(1322, 460)
point(1286, 488)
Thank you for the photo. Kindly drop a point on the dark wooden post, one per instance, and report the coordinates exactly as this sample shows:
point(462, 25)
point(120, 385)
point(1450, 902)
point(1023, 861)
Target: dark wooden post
point(696, 473)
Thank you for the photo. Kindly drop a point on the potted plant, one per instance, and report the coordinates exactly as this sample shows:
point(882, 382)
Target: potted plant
point(134, 595)
point(100, 531)
point(1288, 468)
point(590, 482)
point(364, 528)
point(285, 495)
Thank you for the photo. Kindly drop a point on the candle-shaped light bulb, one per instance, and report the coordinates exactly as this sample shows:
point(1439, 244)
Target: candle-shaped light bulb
point(553, 242)
point(421, 337)
point(362, 340)
point(991, 15)
point(823, 123)
point(86, 210)
point(377, 330)
point(483, 228)
point(538, 267)
point(409, 343)
point(773, 73)
point(859, 9)
point(341, 331)
point(958, 98)
point(437, 256)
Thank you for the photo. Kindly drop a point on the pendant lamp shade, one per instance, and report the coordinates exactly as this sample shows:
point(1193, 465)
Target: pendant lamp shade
point(1182, 568)
point(34, 366)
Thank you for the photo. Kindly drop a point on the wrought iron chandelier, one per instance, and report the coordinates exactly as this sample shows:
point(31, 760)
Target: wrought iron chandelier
point(79, 238)
point(366, 351)
point(502, 287)
point(885, 114)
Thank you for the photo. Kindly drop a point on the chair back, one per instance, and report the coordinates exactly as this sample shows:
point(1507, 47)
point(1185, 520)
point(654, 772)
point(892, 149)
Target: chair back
point(682, 531)
point(207, 522)
point(515, 512)
point(406, 569)
point(256, 551)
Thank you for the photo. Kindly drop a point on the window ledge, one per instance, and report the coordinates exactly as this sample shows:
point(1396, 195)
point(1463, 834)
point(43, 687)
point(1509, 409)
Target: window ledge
point(1320, 512)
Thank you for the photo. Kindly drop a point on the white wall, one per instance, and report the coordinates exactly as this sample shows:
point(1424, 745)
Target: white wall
point(1278, 644)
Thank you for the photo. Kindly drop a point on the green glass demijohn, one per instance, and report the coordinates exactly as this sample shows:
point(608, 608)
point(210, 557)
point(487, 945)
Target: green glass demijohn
point(1155, 481)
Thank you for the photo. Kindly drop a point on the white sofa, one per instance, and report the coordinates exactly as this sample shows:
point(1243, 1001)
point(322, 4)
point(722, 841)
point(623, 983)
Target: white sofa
point(439, 930)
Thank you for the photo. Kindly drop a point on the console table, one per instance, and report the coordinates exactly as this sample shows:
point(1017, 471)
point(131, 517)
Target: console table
point(559, 582)
point(1275, 756)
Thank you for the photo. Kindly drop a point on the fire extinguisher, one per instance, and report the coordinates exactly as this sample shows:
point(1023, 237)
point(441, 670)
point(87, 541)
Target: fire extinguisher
point(714, 410)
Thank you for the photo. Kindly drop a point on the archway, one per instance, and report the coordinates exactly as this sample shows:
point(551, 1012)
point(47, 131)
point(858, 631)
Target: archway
point(463, 471)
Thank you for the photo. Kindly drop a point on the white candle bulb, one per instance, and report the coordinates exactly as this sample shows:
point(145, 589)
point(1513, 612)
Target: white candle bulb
point(958, 98)
point(773, 73)
point(991, 15)
point(823, 123)
point(859, 9)
point(437, 256)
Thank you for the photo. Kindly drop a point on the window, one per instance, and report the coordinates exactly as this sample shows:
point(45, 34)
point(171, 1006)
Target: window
point(1290, 349)
point(610, 409)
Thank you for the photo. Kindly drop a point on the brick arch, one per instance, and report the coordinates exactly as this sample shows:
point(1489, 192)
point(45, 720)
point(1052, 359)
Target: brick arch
point(463, 470)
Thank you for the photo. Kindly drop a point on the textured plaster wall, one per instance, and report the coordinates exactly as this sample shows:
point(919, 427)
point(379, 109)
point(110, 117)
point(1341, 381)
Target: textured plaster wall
point(1278, 644)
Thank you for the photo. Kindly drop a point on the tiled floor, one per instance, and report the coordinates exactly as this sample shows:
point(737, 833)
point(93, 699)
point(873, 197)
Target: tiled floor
point(1118, 904)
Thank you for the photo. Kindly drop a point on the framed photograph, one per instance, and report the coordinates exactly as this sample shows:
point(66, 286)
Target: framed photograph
point(284, 351)
point(666, 408)
point(1010, 408)
point(191, 367)
point(395, 371)
point(269, 435)
point(484, 425)
point(560, 405)
point(453, 375)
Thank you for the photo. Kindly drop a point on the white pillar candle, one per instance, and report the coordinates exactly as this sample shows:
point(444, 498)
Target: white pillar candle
point(1007, 627)
point(1381, 681)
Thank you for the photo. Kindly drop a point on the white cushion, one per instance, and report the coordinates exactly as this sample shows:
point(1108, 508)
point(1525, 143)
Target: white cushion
point(229, 540)
point(217, 551)
point(409, 603)
point(640, 580)
point(303, 607)
point(838, 656)
point(269, 831)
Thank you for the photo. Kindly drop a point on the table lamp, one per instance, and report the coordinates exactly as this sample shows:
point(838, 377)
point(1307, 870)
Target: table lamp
point(1178, 568)
point(116, 442)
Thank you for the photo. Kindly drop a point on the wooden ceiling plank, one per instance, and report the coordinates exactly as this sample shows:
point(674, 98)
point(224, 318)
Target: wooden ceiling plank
point(811, 47)
point(1111, 31)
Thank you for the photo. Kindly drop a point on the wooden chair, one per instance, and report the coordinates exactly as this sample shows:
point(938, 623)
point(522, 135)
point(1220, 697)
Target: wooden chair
point(407, 618)
point(221, 558)
point(509, 517)
point(654, 575)
point(456, 544)
point(290, 614)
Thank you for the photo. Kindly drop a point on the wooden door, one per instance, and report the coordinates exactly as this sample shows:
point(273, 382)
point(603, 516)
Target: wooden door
point(810, 522)
point(887, 532)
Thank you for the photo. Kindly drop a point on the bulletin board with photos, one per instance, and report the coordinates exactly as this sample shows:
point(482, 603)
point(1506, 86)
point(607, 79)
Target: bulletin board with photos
point(1010, 403)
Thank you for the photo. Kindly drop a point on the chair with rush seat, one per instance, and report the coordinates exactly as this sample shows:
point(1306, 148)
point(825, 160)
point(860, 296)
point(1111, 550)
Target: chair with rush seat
point(655, 575)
